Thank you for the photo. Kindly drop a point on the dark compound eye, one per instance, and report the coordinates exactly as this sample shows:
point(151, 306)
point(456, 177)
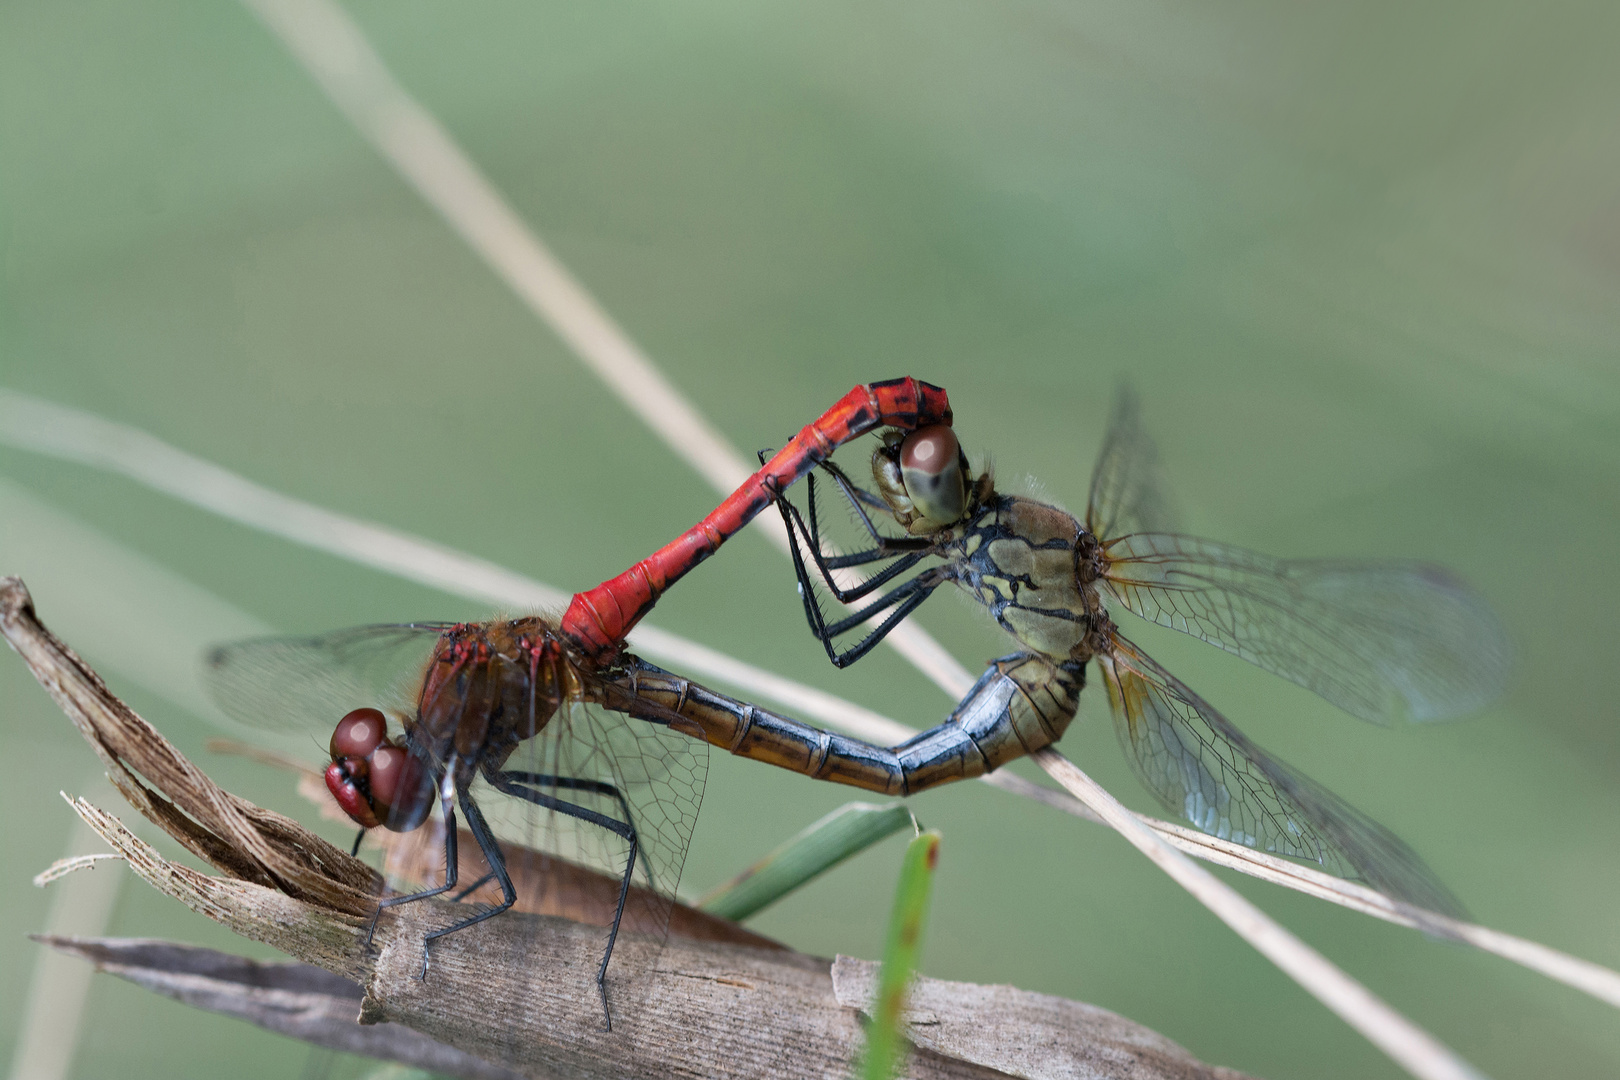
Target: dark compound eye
point(931, 467)
point(401, 790)
point(374, 780)
point(358, 734)
point(345, 779)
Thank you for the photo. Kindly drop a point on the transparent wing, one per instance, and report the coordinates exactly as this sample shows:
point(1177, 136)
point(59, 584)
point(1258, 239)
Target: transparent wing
point(550, 801)
point(1128, 490)
point(656, 776)
point(308, 683)
point(1203, 768)
point(574, 797)
point(626, 770)
point(1378, 639)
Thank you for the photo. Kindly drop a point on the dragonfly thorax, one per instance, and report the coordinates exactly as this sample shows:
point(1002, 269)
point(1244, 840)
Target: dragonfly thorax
point(1031, 565)
point(489, 687)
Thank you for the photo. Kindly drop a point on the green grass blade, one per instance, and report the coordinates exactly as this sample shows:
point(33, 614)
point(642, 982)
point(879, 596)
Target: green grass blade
point(850, 829)
point(400, 1072)
point(884, 1043)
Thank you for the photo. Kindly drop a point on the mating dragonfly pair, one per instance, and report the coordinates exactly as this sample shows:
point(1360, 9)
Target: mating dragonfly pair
point(599, 757)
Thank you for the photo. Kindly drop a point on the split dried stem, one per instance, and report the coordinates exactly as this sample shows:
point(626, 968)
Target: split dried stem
point(519, 992)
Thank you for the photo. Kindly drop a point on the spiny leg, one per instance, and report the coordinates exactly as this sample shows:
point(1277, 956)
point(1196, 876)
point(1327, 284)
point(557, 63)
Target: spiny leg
point(446, 804)
point(907, 598)
point(860, 500)
point(573, 783)
point(904, 598)
point(883, 547)
point(906, 553)
point(544, 780)
point(497, 867)
point(624, 829)
point(447, 794)
point(474, 887)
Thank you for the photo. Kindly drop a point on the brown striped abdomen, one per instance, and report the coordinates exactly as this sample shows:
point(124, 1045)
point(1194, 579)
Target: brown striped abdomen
point(1021, 704)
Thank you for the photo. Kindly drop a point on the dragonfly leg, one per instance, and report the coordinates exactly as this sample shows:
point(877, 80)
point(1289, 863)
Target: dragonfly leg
point(508, 783)
point(474, 887)
point(613, 932)
point(543, 779)
point(534, 779)
point(860, 500)
point(883, 547)
point(904, 599)
point(906, 553)
point(497, 867)
point(573, 783)
point(450, 865)
point(358, 837)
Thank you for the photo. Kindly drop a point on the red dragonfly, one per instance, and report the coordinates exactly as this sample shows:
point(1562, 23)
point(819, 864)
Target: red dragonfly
point(600, 757)
point(1374, 638)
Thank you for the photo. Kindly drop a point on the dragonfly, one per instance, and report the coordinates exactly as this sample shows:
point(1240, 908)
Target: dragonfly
point(1378, 639)
point(547, 730)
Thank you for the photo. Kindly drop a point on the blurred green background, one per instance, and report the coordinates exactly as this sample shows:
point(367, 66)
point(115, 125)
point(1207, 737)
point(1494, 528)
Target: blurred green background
point(1361, 261)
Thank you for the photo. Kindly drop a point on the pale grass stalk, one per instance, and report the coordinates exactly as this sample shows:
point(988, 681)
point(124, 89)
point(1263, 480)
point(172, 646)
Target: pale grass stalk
point(1414, 1049)
point(334, 51)
point(58, 986)
point(42, 427)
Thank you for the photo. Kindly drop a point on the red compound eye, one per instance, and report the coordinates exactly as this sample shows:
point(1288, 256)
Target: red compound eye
point(386, 766)
point(341, 779)
point(358, 734)
point(401, 790)
point(375, 781)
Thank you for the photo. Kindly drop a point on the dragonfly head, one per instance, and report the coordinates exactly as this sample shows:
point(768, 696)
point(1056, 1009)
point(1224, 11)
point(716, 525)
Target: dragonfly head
point(924, 477)
point(375, 780)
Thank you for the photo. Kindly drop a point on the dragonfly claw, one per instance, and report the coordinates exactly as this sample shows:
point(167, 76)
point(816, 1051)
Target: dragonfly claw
point(371, 931)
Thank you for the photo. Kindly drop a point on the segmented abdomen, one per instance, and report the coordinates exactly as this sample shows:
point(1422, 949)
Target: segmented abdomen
point(1021, 704)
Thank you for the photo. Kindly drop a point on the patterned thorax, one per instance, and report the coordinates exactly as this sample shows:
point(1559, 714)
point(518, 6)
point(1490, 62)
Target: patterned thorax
point(1031, 565)
point(489, 687)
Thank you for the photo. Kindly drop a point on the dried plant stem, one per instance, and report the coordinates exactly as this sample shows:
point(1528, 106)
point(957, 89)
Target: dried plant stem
point(519, 992)
point(242, 839)
point(289, 998)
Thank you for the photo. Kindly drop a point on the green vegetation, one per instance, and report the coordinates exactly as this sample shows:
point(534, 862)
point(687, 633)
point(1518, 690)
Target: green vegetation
point(885, 1040)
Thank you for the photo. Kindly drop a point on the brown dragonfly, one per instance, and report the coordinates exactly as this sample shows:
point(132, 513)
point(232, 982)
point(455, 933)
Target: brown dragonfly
point(548, 734)
point(1377, 639)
